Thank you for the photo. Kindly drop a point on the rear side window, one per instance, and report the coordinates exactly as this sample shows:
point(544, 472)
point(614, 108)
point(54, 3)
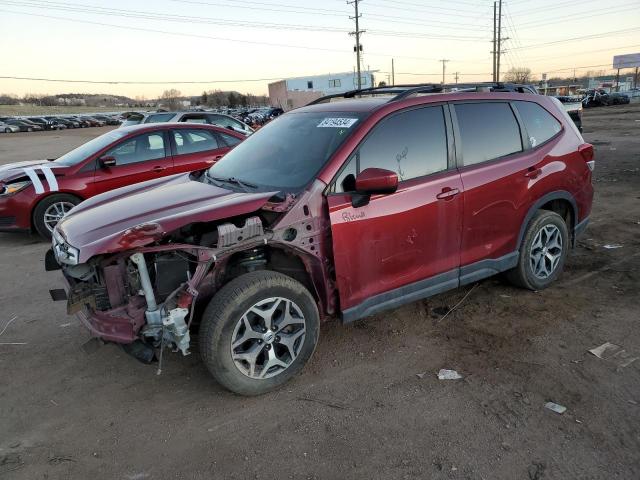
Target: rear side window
point(411, 143)
point(229, 139)
point(193, 141)
point(488, 131)
point(539, 124)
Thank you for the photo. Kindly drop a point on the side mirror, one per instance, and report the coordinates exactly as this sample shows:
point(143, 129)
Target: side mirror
point(373, 181)
point(108, 161)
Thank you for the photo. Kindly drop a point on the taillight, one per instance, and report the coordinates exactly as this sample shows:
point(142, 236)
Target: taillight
point(586, 150)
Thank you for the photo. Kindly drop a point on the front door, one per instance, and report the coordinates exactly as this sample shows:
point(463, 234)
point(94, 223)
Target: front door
point(405, 245)
point(138, 159)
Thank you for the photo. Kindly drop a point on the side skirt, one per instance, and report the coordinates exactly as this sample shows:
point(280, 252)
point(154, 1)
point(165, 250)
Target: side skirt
point(430, 286)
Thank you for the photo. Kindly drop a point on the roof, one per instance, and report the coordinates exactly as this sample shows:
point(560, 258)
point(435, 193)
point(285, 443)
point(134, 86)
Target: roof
point(378, 96)
point(141, 127)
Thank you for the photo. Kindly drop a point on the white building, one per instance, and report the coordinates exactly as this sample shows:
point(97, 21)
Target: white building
point(296, 92)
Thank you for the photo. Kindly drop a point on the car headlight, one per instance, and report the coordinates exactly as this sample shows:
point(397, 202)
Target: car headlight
point(11, 188)
point(64, 252)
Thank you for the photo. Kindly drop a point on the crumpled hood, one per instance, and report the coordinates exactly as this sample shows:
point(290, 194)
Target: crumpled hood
point(98, 225)
point(13, 171)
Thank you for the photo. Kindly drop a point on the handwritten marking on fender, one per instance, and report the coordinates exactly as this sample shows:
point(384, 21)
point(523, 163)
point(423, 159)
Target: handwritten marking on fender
point(352, 217)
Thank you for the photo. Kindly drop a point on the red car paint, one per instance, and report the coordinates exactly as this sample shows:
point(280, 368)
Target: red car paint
point(434, 233)
point(87, 178)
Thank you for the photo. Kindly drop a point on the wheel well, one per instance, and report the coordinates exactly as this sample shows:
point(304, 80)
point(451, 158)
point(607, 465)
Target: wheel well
point(33, 210)
point(563, 208)
point(269, 258)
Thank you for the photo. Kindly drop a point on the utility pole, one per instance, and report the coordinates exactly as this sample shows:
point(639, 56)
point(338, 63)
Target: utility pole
point(444, 61)
point(494, 41)
point(456, 76)
point(499, 52)
point(393, 74)
point(357, 33)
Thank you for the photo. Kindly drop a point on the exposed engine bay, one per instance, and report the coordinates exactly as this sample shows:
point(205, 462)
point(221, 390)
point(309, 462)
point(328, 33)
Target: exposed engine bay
point(146, 298)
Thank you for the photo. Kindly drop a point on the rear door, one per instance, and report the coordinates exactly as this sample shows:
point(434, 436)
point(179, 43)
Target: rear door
point(404, 245)
point(196, 148)
point(497, 169)
point(138, 159)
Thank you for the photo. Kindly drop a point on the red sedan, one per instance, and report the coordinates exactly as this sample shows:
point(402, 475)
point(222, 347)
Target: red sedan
point(35, 195)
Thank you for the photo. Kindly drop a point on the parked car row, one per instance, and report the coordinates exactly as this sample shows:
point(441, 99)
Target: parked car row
point(55, 122)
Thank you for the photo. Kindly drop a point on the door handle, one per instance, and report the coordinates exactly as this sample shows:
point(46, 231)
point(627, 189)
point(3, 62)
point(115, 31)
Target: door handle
point(533, 172)
point(158, 169)
point(447, 193)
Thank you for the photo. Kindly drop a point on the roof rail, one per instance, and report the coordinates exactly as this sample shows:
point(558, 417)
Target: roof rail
point(403, 91)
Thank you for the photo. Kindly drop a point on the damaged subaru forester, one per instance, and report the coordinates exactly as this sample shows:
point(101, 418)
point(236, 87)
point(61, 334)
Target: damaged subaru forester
point(341, 209)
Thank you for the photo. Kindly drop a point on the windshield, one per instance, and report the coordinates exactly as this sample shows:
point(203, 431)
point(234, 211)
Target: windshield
point(83, 151)
point(287, 153)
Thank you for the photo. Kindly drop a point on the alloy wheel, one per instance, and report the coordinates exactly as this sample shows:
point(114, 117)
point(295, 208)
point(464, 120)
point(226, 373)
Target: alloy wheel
point(268, 338)
point(54, 213)
point(546, 251)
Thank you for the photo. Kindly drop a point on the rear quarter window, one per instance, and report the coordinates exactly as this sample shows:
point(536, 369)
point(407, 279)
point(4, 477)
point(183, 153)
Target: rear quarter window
point(539, 124)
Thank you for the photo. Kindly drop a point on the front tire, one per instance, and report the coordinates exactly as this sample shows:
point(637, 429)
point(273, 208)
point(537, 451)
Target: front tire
point(258, 332)
point(543, 252)
point(50, 211)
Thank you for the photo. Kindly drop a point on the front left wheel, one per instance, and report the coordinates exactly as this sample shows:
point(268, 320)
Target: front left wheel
point(259, 331)
point(50, 211)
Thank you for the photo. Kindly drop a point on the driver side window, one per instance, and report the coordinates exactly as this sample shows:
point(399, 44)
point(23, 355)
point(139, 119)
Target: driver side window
point(412, 144)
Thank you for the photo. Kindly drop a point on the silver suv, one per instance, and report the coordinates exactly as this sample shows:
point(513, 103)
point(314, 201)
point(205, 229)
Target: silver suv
point(218, 119)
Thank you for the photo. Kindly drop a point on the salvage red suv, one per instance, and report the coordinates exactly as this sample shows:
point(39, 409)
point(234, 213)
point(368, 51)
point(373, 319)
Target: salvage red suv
point(34, 195)
point(342, 209)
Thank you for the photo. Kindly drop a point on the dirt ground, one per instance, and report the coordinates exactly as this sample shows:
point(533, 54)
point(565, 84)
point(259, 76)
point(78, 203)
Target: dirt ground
point(360, 409)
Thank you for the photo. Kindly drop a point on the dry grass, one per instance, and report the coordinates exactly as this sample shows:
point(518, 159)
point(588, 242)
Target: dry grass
point(57, 110)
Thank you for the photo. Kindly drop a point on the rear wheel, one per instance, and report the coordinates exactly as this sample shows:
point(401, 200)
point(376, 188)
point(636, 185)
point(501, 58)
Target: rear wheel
point(7, 130)
point(543, 252)
point(50, 211)
point(258, 332)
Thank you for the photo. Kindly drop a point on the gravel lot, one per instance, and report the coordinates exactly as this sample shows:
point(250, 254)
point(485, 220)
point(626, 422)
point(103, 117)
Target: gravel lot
point(359, 410)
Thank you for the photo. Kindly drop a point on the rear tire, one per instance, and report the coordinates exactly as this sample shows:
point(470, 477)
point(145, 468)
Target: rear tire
point(543, 252)
point(57, 203)
point(238, 346)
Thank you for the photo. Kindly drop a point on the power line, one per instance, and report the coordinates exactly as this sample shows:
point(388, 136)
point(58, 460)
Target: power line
point(207, 37)
point(584, 37)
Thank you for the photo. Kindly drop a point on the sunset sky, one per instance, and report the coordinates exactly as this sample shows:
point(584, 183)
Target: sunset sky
point(242, 44)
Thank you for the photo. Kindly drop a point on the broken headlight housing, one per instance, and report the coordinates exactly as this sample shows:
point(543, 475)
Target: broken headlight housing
point(64, 252)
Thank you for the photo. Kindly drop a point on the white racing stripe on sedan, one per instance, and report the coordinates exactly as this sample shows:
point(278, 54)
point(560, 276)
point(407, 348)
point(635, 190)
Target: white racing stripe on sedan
point(51, 178)
point(37, 184)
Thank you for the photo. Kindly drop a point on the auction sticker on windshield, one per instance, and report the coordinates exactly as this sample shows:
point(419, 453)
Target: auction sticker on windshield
point(337, 122)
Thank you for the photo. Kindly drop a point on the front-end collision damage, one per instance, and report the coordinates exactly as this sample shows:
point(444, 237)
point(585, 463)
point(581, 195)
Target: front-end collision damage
point(150, 293)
